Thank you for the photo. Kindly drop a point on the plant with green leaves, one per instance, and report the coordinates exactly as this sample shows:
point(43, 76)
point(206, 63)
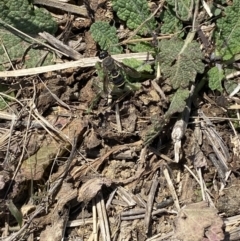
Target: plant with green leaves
point(180, 60)
point(227, 38)
point(24, 17)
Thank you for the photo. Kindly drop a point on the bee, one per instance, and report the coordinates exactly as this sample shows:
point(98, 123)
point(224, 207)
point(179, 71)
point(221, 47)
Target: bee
point(113, 72)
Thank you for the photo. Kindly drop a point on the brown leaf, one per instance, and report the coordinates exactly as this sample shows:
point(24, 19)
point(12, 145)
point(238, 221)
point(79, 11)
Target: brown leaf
point(90, 189)
point(196, 221)
point(35, 165)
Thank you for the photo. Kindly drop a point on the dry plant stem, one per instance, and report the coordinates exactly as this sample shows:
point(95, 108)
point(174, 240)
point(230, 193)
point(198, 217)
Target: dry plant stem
point(171, 188)
point(141, 212)
point(7, 116)
point(139, 200)
point(82, 63)
point(63, 6)
point(73, 54)
point(195, 177)
point(77, 223)
point(217, 144)
point(6, 53)
point(126, 196)
point(95, 229)
point(102, 215)
point(91, 238)
point(150, 201)
point(142, 215)
point(180, 126)
point(235, 220)
point(118, 119)
point(158, 89)
point(157, 153)
point(159, 237)
point(201, 183)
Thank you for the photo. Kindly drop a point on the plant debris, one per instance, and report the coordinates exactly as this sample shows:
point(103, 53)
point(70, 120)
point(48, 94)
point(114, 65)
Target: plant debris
point(119, 120)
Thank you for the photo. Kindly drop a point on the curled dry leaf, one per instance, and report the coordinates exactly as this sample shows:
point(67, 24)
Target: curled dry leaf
point(90, 189)
point(197, 221)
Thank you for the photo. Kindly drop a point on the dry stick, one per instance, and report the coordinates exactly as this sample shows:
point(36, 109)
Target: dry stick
point(107, 207)
point(3, 46)
point(101, 210)
point(142, 214)
point(126, 196)
point(118, 119)
point(150, 201)
point(95, 222)
point(73, 54)
point(161, 236)
point(171, 188)
point(83, 63)
point(81, 10)
point(201, 184)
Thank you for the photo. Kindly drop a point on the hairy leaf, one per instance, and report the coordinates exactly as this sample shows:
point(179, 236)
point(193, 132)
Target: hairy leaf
point(215, 76)
point(183, 8)
point(180, 64)
point(141, 47)
point(171, 24)
point(21, 15)
point(106, 36)
point(138, 65)
point(154, 129)
point(134, 12)
point(227, 34)
point(178, 102)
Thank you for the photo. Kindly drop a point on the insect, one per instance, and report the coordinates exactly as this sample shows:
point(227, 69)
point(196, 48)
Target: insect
point(114, 72)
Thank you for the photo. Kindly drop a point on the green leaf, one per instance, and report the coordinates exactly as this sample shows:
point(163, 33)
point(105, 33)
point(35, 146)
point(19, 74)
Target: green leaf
point(21, 15)
point(178, 102)
point(141, 47)
point(138, 65)
point(230, 84)
point(183, 8)
point(215, 76)
point(180, 63)
point(171, 24)
point(15, 212)
point(106, 36)
point(227, 34)
point(135, 12)
point(154, 129)
point(4, 100)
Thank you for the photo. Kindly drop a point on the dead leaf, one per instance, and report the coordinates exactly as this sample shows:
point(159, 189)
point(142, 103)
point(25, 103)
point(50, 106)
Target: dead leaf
point(197, 221)
point(35, 165)
point(90, 189)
